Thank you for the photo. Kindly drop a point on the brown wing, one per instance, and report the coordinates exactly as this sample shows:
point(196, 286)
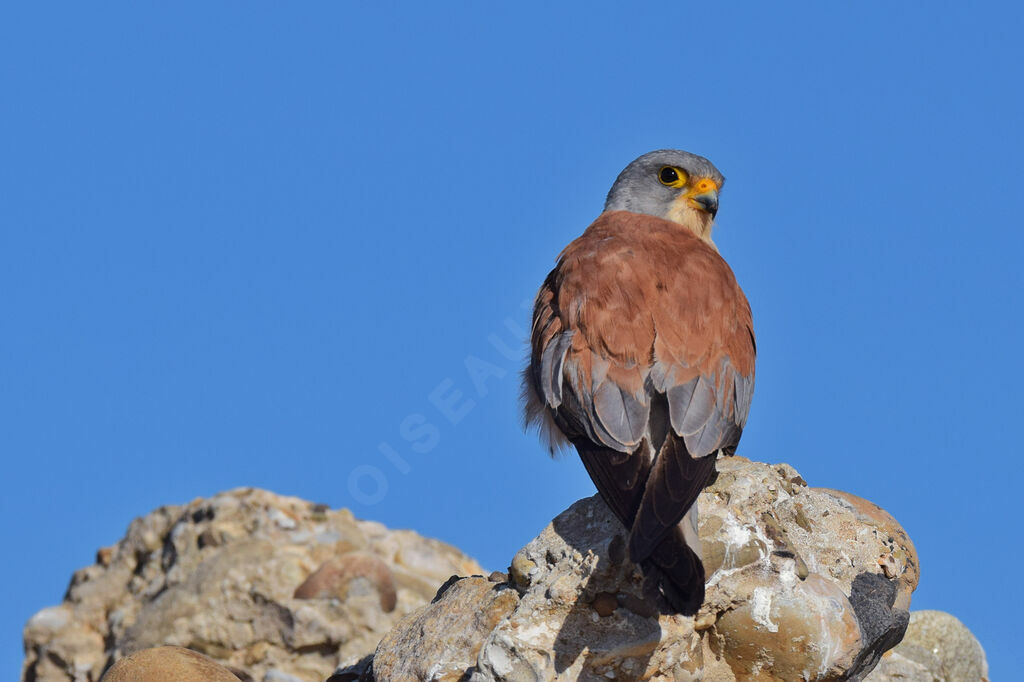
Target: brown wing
point(641, 332)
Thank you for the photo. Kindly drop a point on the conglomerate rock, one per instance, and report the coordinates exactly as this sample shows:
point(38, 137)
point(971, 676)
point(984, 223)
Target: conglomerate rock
point(803, 583)
point(272, 587)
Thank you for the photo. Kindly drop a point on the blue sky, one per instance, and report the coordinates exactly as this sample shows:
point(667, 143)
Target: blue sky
point(288, 247)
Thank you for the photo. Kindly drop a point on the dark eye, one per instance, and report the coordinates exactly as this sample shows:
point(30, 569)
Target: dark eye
point(672, 176)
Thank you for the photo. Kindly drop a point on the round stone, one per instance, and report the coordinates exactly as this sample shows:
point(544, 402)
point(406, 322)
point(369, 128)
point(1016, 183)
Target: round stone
point(168, 664)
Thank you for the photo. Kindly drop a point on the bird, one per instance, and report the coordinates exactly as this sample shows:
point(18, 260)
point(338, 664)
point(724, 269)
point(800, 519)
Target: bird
point(642, 354)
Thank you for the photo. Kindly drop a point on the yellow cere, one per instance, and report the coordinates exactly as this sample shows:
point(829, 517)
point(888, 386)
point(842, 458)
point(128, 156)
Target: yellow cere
point(705, 185)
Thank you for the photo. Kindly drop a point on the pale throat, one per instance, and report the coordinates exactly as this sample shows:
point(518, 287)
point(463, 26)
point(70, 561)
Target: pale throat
point(696, 221)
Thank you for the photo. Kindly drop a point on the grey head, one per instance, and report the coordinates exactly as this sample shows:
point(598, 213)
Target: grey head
point(670, 184)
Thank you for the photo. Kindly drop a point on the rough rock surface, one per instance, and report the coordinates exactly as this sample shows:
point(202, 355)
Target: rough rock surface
point(446, 647)
point(803, 583)
point(936, 648)
point(275, 588)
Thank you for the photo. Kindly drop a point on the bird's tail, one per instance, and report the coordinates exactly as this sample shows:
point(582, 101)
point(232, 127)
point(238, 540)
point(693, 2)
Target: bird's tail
point(677, 562)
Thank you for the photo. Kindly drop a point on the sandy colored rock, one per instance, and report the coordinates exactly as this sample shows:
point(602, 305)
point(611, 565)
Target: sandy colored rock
point(897, 666)
point(447, 634)
point(960, 653)
point(557, 630)
point(168, 664)
point(936, 647)
point(803, 583)
point(769, 528)
point(792, 630)
point(219, 576)
point(69, 644)
point(335, 576)
point(796, 590)
point(899, 557)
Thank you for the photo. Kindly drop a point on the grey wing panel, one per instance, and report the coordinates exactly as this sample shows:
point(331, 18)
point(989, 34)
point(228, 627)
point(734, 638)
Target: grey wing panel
point(709, 411)
point(744, 392)
point(620, 415)
point(550, 374)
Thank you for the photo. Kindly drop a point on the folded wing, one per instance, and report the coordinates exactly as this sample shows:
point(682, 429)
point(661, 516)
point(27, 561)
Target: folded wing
point(643, 357)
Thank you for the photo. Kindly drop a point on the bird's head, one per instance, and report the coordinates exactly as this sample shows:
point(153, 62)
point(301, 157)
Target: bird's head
point(670, 184)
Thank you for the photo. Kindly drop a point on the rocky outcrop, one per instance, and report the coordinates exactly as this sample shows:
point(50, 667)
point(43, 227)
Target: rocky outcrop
point(803, 583)
point(271, 587)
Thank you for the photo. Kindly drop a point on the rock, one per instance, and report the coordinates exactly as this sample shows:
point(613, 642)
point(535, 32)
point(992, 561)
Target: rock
point(900, 559)
point(278, 676)
point(897, 666)
point(354, 671)
point(936, 647)
point(446, 634)
point(168, 664)
point(263, 584)
point(336, 576)
point(806, 629)
point(556, 630)
point(960, 654)
point(70, 646)
point(803, 583)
